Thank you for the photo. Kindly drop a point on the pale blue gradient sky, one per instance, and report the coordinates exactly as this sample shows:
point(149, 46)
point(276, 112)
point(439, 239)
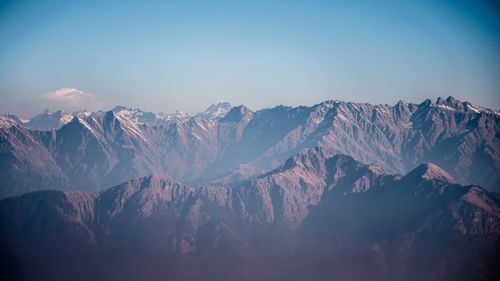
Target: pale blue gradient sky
point(188, 54)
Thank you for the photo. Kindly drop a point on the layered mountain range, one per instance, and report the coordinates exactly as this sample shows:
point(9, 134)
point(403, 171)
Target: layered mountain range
point(48, 120)
point(341, 190)
point(224, 145)
point(319, 215)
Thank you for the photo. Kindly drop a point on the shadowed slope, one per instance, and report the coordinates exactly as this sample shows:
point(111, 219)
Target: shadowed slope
point(318, 216)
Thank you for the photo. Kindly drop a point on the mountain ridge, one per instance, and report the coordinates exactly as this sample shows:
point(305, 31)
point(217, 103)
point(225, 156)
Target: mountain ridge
point(462, 140)
point(277, 226)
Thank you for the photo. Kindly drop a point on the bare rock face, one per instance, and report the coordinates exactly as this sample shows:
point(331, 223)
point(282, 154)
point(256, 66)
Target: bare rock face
point(227, 145)
point(317, 216)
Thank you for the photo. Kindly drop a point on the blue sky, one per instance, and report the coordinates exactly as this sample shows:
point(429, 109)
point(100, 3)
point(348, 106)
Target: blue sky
point(185, 55)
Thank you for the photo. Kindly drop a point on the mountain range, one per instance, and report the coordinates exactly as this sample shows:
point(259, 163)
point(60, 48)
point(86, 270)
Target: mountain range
point(319, 215)
point(48, 120)
point(225, 145)
point(338, 190)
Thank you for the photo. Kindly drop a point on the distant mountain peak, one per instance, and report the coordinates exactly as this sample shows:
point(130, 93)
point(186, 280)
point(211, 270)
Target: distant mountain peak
point(78, 121)
point(449, 100)
point(237, 114)
point(316, 154)
point(430, 171)
point(8, 120)
point(121, 107)
point(51, 112)
point(219, 105)
point(218, 110)
point(320, 158)
point(49, 120)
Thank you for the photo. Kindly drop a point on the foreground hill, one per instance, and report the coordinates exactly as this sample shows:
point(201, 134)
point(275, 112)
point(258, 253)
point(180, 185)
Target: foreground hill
point(318, 216)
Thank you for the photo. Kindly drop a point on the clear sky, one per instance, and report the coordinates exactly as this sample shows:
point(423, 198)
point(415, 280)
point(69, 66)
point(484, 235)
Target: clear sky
point(185, 55)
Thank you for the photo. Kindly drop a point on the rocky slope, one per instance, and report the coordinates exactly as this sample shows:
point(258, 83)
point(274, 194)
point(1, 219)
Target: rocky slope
point(318, 216)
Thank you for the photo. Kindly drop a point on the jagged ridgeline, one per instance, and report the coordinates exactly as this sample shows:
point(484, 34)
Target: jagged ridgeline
point(339, 190)
point(317, 216)
point(90, 151)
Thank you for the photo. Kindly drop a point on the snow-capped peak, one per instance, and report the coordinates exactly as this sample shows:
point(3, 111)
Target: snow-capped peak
point(7, 120)
point(48, 120)
point(136, 115)
point(218, 110)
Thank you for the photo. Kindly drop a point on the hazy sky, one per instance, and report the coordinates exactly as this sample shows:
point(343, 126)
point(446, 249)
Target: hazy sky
point(188, 54)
